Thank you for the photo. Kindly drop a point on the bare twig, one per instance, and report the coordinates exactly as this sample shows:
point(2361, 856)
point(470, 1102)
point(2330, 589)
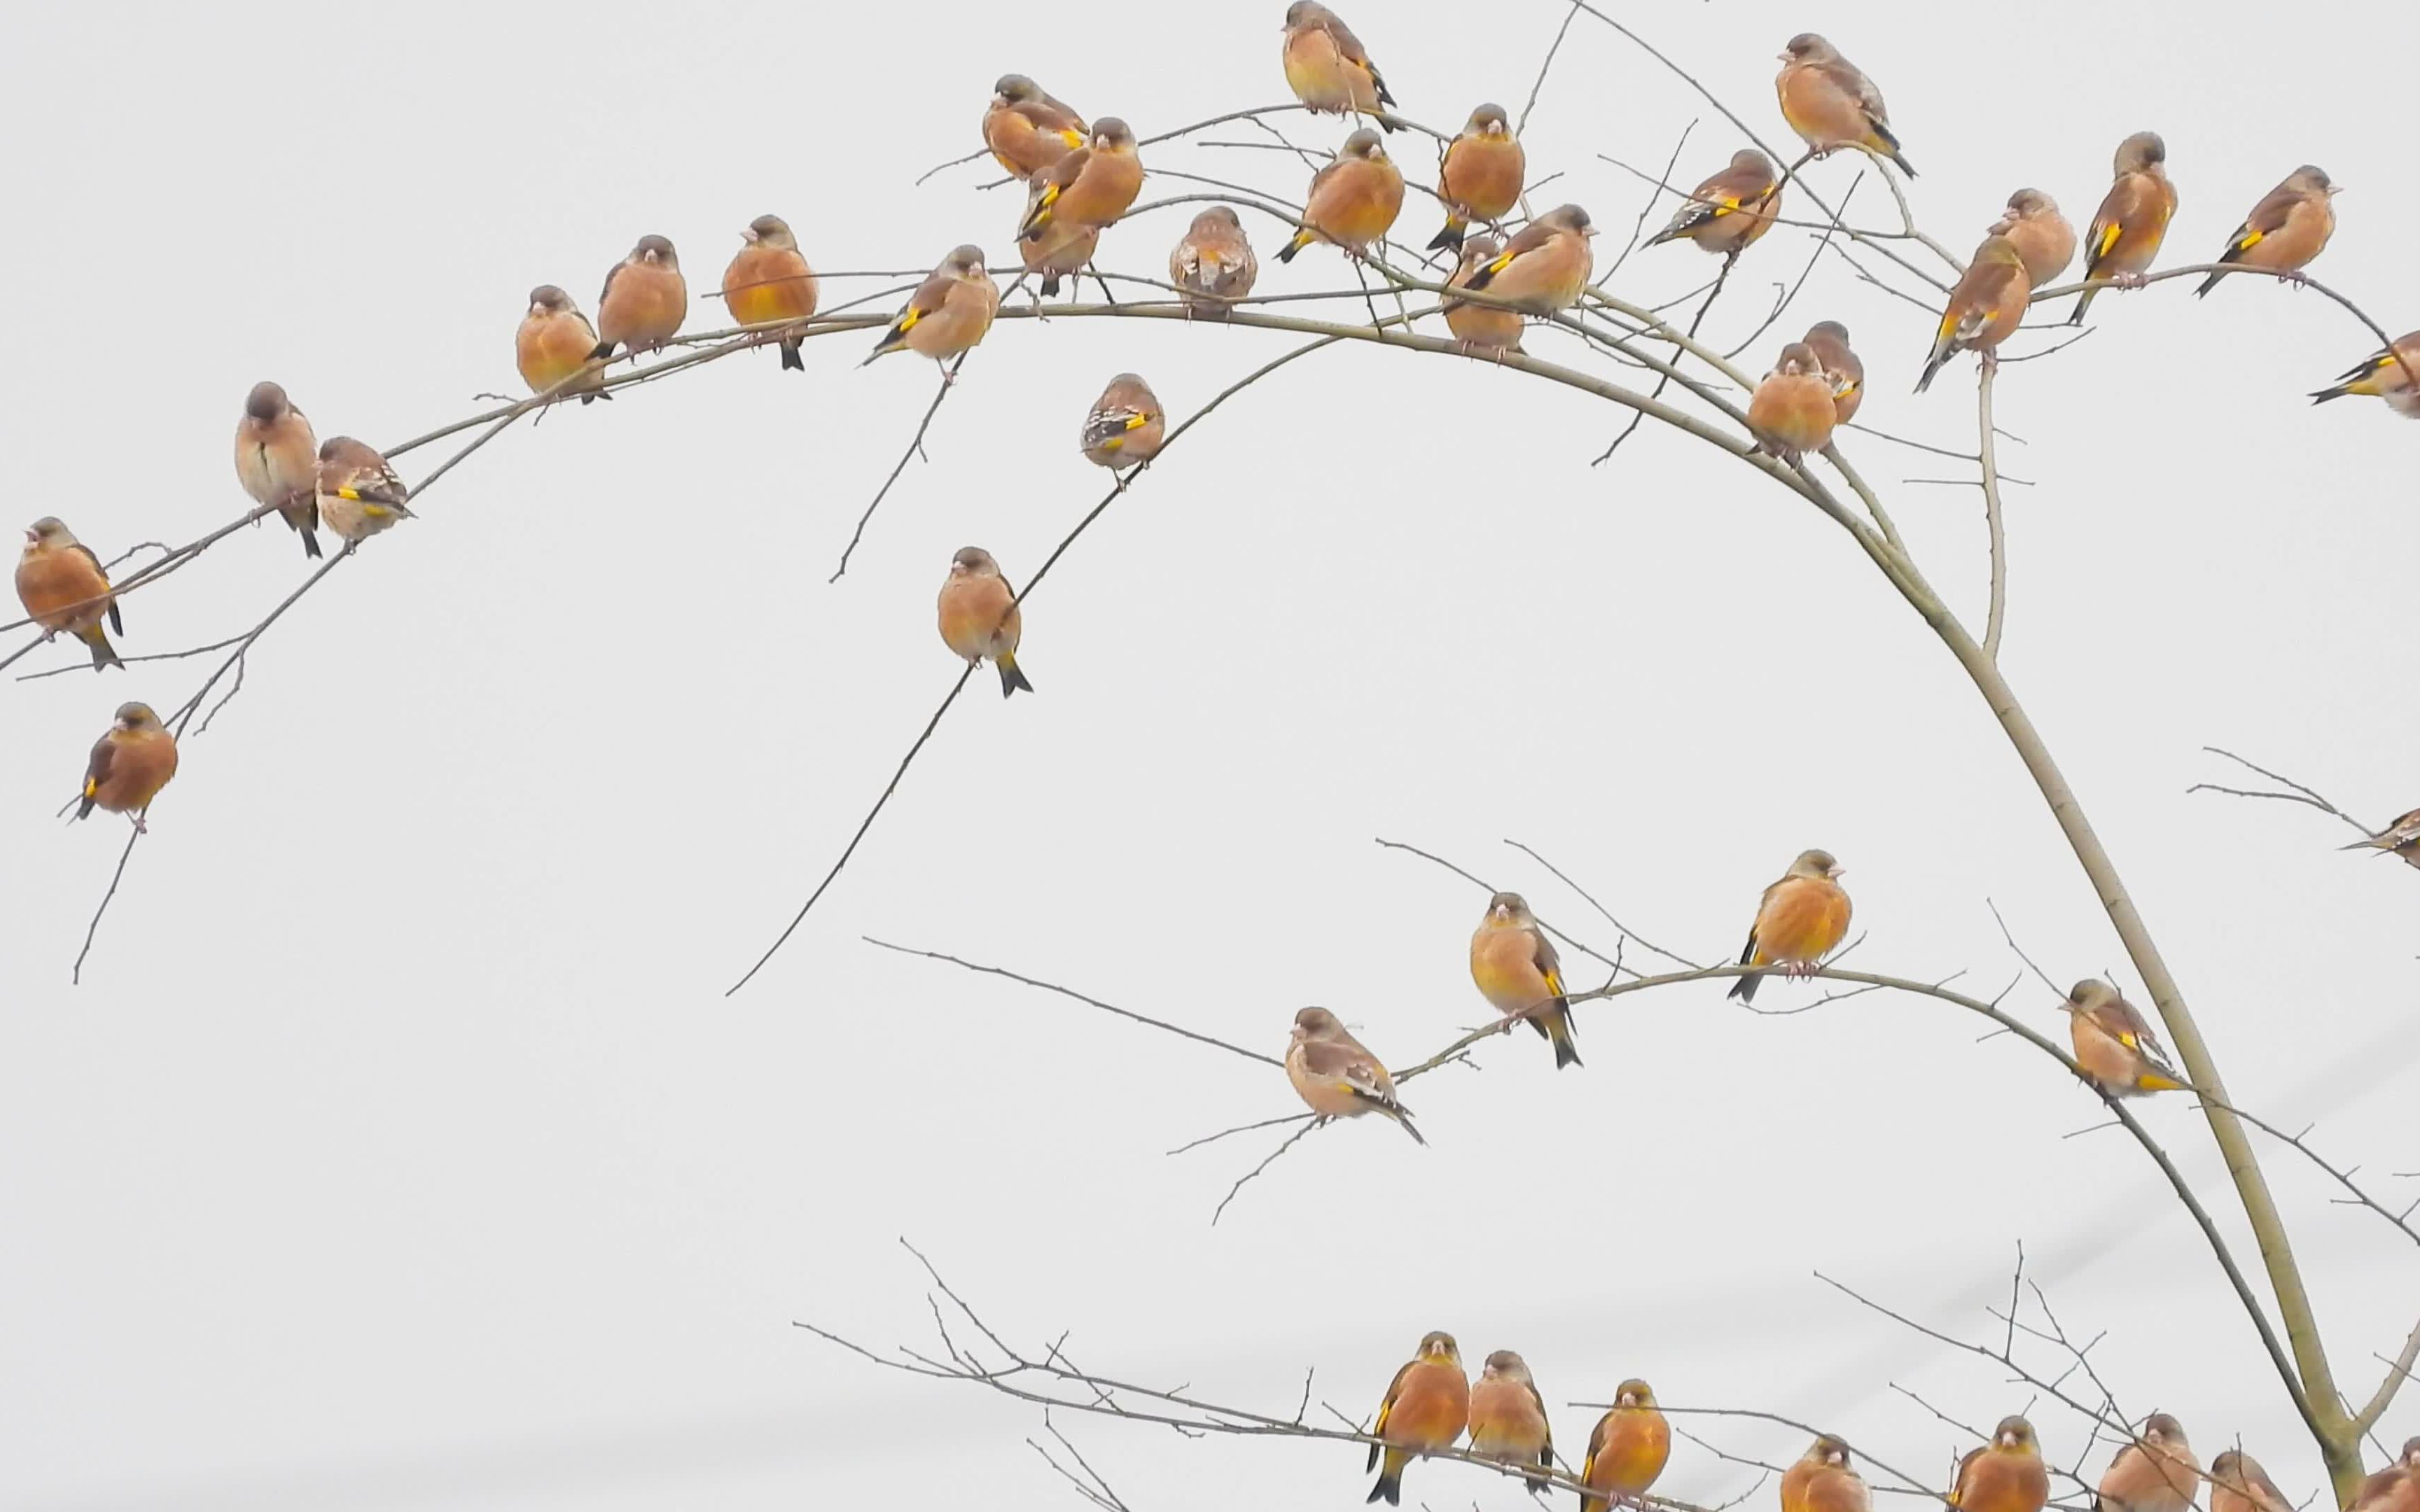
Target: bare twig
point(1995, 614)
point(915, 444)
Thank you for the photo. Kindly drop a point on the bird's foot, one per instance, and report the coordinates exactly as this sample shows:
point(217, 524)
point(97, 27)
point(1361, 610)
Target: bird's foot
point(140, 827)
point(2127, 281)
point(2294, 276)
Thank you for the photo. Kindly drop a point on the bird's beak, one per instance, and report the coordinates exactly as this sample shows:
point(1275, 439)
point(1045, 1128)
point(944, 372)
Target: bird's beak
point(1781, 57)
point(2333, 190)
point(1839, 871)
point(1588, 232)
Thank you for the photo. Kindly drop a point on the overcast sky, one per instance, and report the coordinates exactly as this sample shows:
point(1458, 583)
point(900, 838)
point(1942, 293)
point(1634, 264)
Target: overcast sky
point(400, 1149)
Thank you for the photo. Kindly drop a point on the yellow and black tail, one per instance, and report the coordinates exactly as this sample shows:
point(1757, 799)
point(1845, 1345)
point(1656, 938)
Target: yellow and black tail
point(1449, 239)
point(1390, 1479)
point(1744, 989)
point(1301, 240)
point(1558, 1025)
point(2355, 379)
point(1012, 677)
point(103, 654)
point(1889, 143)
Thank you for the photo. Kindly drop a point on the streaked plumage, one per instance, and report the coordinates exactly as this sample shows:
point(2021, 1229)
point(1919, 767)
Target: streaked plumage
point(1125, 424)
point(1336, 1077)
point(1213, 262)
point(359, 493)
point(1727, 212)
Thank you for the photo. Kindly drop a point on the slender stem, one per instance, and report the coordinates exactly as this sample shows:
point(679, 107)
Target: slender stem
point(1994, 616)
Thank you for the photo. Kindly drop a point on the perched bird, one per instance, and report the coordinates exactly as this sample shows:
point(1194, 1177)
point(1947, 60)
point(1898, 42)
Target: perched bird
point(769, 283)
point(1091, 186)
point(2395, 1489)
point(2157, 1473)
point(1125, 424)
point(2132, 219)
point(554, 342)
point(1213, 262)
point(1627, 1449)
point(2237, 1484)
point(1061, 252)
point(1800, 919)
point(2045, 242)
point(1336, 1077)
point(2401, 838)
point(1830, 102)
point(1830, 340)
point(2286, 230)
point(979, 618)
point(1793, 412)
point(1481, 174)
point(1327, 67)
point(130, 762)
point(275, 458)
point(2119, 1055)
point(1819, 1480)
point(359, 494)
point(1027, 131)
point(645, 299)
point(1544, 267)
point(1988, 303)
point(1426, 1407)
point(948, 312)
point(2004, 1475)
point(2387, 375)
point(1352, 201)
point(1518, 972)
point(64, 587)
point(1508, 1417)
point(1729, 211)
point(1481, 328)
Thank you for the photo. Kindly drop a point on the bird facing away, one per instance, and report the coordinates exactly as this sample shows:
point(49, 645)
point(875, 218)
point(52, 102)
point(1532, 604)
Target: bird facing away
point(1627, 1449)
point(1213, 262)
point(1088, 187)
point(1988, 305)
point(1026, 130)
point(979, 618)
point(1426, 1407)
point(1481, 328)
point(2237, 1484)
point(2132, 220)
point(276, 459)
point(1830, 340)
point(1125, 424)
point(130, 762)
point(1508, 1417)
point(1545, 266)
point(1821, 1480)
point(948, 312)
point(1480, 175)
point(64, 587)
point(1727, 212)
point(769, 283)
point(1352, 201)
point(2004, 1475)
point(1799, 921)
point(2286, 230)
point(1336, 1077)
point(1792, 411)
point(1830, 102)
point(2045, 242)
point(2386, 376)
point(553, 343)
point(1327, 67)
point(645, 299)
point(2115, 1047)
point(1518, 972)
point(359, 494)
point(2159, 1473)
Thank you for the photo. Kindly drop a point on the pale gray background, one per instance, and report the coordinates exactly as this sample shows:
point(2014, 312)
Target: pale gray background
point(400, 1151)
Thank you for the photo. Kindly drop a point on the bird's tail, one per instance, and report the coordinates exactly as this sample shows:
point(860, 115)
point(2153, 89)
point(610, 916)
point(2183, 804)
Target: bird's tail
point(2083, 302)
point(790, 358)
point(1449, 239)
point(84, 808)
point(1933, 364)
point(2370, 844)
point(1012, 677)
point(1536, 1483)
point(1670, 233)
point(1049, 284)
point(1390, 1479)
point(1744, 989)
point(2206, 284)
point(604, 349)
point(1301, 240)
point(1403, 1117)
point(2153, 1080)
point(310, 542)
point(1886, 142)
point(103, 654)
point(1558, 1026)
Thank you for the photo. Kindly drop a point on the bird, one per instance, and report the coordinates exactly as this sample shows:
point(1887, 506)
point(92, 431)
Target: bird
point(1830, 340)
point(1830, 102)
point(2157, 1473)
point(1819, 1480)
point(769, 283)
point(2237, 1484)
point(554, 342)
point(948, 314)
point(1213, 262)
point(2286, 230)
point(1518, 972)
point(1627, 1449)
point(2395, 1489)
point(1544, 267)
point(1480, 175)
point(1090, 187)
point(1061, 252)
point(2045, 242)
point(2387, 375)
point(1426, 1407)
point(1352, 201)
point(979, 618)
point(64, 587)
point(2132, 220)
point(276, 455)
point(2004, 1475)
point(359, 494)
point(1801, 918)
point(1336, 1077)
point(1988, 303)
point(1793, 412)
point(2401, 838)
point(130, 762)
point(2117, 1049)
point(1728, 212)
point(1327, 67)
point(1481, 328)
point(1508, 1417)
point(1125, 424)
point(645, 299)
point(1026, 130)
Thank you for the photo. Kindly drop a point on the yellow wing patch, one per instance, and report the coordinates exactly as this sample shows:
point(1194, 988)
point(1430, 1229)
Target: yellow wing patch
point(1725, 206)
point(1500, 264)
point(2250, 240)
point(1074, 139)
point(2109, 235)
point(90, 787)
point(1137, 422)
point(1555, 983)
point(907, 322)
point(2127, 1039)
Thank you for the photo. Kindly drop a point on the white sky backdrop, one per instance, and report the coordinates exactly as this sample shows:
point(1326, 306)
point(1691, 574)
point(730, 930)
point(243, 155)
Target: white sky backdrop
point(400, 1151)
